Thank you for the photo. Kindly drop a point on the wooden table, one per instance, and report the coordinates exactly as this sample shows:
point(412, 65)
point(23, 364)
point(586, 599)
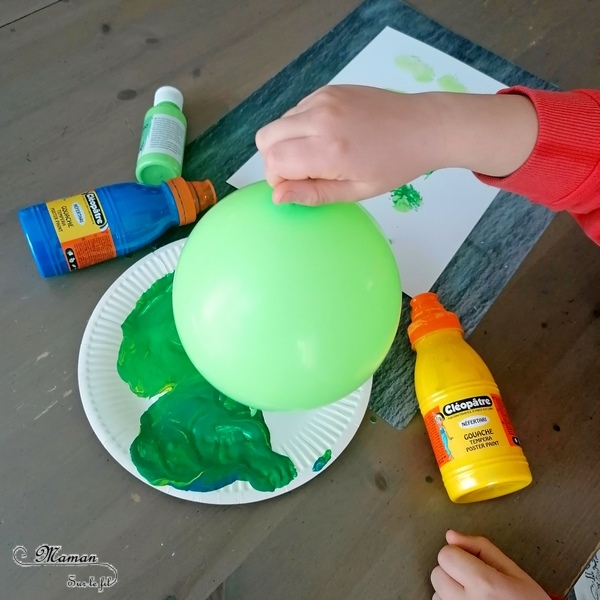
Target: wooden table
point(75, 79)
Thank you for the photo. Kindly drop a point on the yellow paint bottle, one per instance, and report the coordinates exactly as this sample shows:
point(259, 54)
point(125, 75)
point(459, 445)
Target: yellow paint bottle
point(474, 442)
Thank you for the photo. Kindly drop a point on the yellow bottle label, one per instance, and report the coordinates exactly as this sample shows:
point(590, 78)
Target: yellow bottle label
point(474, 426)
point(82, 229)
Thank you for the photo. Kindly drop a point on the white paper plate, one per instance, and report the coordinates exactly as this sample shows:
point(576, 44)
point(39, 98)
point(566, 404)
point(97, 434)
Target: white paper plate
point(114, 411)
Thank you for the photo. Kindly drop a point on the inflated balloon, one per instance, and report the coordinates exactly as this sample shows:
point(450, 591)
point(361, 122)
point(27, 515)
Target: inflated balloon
point(286, 307)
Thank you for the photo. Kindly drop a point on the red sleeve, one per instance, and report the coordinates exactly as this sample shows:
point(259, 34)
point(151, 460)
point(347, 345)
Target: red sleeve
point(563, 171)
point(555, 597)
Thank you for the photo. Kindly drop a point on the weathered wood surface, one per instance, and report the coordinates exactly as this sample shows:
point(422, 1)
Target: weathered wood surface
point(75, 80)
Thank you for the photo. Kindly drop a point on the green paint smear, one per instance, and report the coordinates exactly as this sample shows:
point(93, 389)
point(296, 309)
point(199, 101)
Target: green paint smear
point(322, 461)
point(406, 198)
point(193, 437)
point(413, 65)
point(449, 83)
point(428, 174)
point(151, 358)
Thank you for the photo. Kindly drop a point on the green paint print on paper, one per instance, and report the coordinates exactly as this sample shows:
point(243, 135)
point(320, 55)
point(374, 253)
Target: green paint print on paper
point(406, 198)
point(449, 83)
point(427, 175)
point(322, 461)
point(193, 437)
point(419, 70)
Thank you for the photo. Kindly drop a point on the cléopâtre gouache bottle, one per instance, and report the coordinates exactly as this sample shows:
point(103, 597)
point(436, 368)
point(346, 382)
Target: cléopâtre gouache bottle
point(163, 138)
point(475, 445)
point(72, 233)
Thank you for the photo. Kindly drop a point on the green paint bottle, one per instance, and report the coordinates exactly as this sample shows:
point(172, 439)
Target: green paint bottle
point(163, 138)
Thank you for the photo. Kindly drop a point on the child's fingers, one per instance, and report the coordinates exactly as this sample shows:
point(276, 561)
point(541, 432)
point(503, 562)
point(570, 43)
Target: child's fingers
point(445, 586)
point(290, 126)
point(484, 549)
point(273, 179)
point(463, 567)
point(314, 192)
point(304, 158)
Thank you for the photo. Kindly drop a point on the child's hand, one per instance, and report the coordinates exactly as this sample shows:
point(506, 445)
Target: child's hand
point(472, 568)
point(350, 142)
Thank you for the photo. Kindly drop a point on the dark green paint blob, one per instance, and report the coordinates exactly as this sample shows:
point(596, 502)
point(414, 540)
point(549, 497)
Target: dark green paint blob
point(416, 68)
point(193, 437)
point(406, 198)
point(373, 419)
point(449, 83)
point(322, 461)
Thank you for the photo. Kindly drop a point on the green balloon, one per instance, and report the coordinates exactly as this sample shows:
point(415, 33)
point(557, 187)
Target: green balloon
point(286, 307)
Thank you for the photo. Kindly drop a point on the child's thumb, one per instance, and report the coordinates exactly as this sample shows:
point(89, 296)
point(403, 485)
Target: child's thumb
point(483, 549)
point(314, 192)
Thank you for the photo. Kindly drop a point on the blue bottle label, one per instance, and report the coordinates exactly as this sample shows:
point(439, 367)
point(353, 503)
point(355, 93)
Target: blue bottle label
point(82, 230)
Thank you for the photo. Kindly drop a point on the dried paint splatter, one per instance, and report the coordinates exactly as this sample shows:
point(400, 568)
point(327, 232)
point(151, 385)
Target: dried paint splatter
point(193, 437)
point(322, 461)
point(416, 68)
point(406, 198)
point(449, 83)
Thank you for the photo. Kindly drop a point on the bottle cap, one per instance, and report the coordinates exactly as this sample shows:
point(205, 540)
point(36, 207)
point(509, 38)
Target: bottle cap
point(428, 315)
point(191, 197)
point(168, 93)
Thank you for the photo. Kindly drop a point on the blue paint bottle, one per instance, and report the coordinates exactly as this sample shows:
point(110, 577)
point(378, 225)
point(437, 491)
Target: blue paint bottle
point(76, 232)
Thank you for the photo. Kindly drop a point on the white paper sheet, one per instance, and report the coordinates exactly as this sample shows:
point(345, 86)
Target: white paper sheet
point(425, 239)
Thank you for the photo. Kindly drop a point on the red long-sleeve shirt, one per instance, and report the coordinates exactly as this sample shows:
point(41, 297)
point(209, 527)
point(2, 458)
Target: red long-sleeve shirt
point(563, 171)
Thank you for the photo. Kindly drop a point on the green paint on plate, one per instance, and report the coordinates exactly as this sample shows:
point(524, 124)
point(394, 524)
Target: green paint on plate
point(193, 437)
point(322, 461)
point(151, 358)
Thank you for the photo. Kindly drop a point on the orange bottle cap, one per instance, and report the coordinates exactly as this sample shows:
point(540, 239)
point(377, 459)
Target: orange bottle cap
point(191, 197)
point(428, 315)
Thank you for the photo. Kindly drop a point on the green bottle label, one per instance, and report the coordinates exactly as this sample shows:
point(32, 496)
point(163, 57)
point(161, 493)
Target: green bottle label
point(163, 134)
